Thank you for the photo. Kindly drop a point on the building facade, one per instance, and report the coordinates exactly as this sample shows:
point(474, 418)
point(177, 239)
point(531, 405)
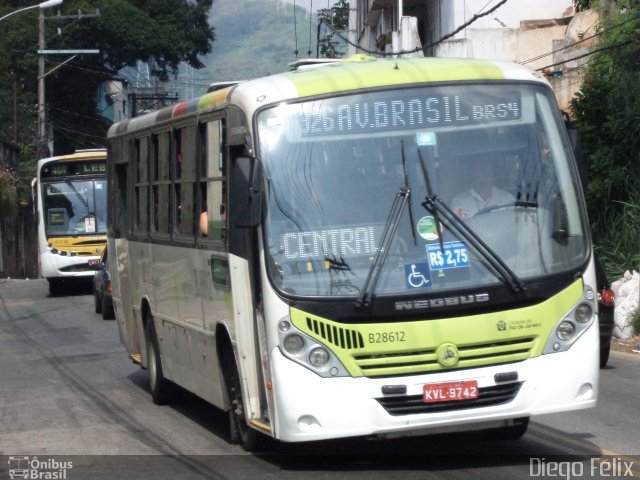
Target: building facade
point(546, 35)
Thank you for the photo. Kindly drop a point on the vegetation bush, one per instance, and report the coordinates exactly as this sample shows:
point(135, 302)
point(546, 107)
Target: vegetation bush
point(8, 189)
point(606, 113)
point(635, 321)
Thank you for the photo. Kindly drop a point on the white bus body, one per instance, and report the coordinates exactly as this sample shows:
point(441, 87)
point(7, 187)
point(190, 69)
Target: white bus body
point(70, 202)
point(334, 292)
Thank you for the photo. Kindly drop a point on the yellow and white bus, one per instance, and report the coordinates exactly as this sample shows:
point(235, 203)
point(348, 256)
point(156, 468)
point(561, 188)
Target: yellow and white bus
point(70, 202)
point(288, 249)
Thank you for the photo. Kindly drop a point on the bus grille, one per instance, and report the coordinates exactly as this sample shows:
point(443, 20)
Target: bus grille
point(413, 404)
point(474, 355)
point(345, 338)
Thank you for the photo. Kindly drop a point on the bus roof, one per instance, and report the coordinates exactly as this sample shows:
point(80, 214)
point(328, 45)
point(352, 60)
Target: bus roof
point(220, 85)
point(91, 154)
point(349, 74)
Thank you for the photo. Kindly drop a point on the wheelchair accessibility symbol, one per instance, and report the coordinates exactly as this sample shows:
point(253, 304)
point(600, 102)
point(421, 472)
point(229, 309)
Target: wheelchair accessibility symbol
point(417, 275)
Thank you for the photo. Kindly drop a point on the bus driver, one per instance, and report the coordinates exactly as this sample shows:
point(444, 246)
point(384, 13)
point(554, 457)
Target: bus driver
point(482, 194)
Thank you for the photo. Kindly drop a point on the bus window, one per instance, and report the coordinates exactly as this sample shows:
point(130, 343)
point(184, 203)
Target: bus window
point(215, 201)
point(141, 189)
point(184, 181)
point(161, 183)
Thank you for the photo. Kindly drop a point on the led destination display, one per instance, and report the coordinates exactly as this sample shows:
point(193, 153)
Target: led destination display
point(414, 110)
point(317, 244)
point(63, 169)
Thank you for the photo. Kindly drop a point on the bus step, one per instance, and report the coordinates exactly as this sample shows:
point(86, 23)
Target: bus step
point(262, 424)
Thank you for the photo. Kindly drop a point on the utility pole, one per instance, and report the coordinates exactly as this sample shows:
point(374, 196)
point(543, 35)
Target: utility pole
point(15, 107)
point(43, 147)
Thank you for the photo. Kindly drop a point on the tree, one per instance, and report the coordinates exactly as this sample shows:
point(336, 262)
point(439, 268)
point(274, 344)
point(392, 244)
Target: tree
point(606, 112)
point(581, 5)
point(161, 32)
point(334, 20)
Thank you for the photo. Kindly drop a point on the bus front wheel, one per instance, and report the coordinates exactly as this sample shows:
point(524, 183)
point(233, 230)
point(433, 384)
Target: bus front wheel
point(97, 302)
point(239, 431)
point(56, 286)
point(511, 432)
point(161, 388)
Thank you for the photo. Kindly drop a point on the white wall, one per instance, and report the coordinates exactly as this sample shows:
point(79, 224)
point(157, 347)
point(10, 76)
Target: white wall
point(455, 13)
point(507, 44)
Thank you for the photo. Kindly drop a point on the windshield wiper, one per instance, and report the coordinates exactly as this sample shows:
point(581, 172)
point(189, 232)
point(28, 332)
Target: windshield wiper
point(335, 264)
point(440, 210)
point(388, 234)
point(75, 190)
point(406, 185)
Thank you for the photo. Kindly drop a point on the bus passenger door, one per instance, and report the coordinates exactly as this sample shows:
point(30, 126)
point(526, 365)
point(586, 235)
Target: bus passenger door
point(214, 282)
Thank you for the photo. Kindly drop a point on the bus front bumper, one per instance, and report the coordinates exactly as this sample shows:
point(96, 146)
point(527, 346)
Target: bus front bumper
point(309, 407)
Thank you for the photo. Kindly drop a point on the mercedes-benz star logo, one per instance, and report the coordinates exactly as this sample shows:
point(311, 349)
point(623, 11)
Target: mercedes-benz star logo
point(447, 355)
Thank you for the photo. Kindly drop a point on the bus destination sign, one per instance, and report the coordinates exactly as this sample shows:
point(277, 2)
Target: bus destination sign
point(65, 169)
point(392, 111)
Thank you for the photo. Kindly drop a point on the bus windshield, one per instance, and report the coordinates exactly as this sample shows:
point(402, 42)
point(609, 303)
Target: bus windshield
point(75, 207)
point(462, 186)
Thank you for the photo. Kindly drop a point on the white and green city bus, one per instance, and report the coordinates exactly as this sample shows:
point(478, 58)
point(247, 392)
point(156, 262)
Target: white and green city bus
point(70, 203)
point(333, 291)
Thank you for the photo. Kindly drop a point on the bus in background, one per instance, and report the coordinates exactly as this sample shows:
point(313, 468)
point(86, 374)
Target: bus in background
point(70, 203)
point(288, 249)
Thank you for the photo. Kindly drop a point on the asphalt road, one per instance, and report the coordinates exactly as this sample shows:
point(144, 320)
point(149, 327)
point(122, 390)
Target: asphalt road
point(72, 404)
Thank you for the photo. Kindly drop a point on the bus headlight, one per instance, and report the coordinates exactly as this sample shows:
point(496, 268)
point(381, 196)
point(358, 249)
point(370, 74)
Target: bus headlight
point(303, 349)
point(293, 343)
point(284, 325)
point(319, 357)
point(583, 313)
point(574, 323)
point(566, 330)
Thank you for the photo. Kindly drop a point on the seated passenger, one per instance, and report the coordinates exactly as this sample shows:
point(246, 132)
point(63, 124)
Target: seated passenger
point(203, 223)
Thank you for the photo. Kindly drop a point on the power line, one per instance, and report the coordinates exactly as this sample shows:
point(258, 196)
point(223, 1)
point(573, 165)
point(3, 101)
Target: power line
point(310, 22)
point(295, 28)
point(580, 41)
point(477, 16)
point(473, 19)
point(608, 47)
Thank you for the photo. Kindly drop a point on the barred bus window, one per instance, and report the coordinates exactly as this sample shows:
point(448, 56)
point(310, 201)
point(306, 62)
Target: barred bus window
point(164, 182)
point(177, 141)
point(160, 145)
point(184, 181)
point(185, 209)
point(216, 182)
point(141, 190)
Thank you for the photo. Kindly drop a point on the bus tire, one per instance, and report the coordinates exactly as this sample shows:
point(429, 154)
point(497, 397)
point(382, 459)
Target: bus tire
point(605, 351)
point(239, 431)
point(56, 286)
point(97, 302)
point(161, 388)
point(107, 310)
point(512, 432)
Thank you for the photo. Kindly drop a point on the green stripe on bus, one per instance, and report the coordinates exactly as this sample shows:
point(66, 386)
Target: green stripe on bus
point(402, 348)
point(366, 72)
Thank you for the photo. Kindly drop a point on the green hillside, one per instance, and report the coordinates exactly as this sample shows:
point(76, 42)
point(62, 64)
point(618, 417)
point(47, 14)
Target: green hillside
point(256, 38)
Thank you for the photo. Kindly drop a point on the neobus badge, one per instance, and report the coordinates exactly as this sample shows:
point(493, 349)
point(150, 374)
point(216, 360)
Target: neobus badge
point(426, 303)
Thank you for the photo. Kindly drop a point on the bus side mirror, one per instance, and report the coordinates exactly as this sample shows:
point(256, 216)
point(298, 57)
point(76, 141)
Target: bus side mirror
point(560, 231)
point(34, 197)
point(247, 192)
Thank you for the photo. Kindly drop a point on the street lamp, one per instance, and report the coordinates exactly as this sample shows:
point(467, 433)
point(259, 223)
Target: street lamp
point(47, 4)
